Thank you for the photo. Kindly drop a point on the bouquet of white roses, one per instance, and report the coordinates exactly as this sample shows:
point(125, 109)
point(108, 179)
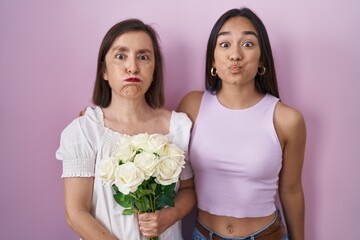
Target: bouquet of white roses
point(143, 170)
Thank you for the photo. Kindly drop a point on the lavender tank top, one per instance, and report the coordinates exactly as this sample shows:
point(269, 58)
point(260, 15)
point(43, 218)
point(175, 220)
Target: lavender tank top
point(236, 158)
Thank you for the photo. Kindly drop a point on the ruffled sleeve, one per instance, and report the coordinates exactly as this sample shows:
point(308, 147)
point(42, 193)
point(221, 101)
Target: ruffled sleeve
point(78, 146)
point(180, 127)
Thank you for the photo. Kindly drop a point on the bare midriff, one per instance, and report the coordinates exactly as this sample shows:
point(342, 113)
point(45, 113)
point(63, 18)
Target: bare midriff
point(234, 227)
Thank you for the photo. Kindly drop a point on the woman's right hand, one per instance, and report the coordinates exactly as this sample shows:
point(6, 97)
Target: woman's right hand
point(82, 113)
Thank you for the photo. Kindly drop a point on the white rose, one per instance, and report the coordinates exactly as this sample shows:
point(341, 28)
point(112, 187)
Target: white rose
point(167, 171)
point(140, 141)
point(156, 143)
point(147, 162)
point(176, 153)
point(124, 151)
point(106, 169)
point(128, 177)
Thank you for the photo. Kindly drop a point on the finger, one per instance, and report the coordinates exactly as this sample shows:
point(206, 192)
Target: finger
point(148, 232)
point(145, 217)
point(147, 223)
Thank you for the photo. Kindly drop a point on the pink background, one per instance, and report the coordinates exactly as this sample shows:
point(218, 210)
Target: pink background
point(48, 52)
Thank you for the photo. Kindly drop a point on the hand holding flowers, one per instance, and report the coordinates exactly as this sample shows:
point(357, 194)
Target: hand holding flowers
point(143, 170)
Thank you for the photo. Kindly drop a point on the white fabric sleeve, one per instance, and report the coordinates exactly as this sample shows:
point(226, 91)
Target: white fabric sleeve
point(76, 149)
point(180, 129)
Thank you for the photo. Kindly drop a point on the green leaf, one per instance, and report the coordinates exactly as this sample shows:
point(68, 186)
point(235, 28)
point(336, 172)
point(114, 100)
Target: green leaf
point(165, 200)
point(158, 190)
point(116, 189)
point(147, 204)
point(133, 195)
point(130, 211)
point(145, 192)
point(139, 205)
point(169, 188)
point(169, 191)
point(123, 200)
point(153, 186)
point(171, 195)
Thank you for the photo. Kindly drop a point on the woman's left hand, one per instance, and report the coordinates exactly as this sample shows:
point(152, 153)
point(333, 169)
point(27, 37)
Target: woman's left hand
point(153, 224)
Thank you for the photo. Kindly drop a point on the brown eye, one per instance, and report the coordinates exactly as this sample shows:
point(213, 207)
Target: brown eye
point(248, 44)
point(144, 57)
point(224, 45)
point(120, 56)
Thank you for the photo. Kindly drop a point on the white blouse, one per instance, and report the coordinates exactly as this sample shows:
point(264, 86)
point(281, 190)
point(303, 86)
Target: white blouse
point(85, 141)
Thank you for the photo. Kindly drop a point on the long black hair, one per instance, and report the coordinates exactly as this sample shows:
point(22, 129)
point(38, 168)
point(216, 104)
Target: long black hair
point(266, 83)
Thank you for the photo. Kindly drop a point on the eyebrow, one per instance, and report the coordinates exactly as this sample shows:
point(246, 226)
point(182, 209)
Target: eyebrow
point(244, 33)
point(125, 49)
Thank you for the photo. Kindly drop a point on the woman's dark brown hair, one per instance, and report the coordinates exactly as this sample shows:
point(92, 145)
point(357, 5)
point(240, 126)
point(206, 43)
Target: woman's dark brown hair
point(102, 91)
point(266, 83)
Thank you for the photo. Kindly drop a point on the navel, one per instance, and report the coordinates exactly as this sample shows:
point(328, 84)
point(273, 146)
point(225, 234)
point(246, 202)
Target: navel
point(230, 228)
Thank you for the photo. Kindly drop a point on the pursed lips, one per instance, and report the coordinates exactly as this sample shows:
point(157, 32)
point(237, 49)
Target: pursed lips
point(132, 80)
point(235, 67)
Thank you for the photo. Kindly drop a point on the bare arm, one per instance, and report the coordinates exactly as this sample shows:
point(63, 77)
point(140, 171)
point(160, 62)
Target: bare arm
point(291, 129)
point(78, 197)
point(153, 224)
point(190, 104)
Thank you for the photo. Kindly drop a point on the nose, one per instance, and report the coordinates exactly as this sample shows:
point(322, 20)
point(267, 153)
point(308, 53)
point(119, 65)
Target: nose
point(235, 59)
point(132, 66)
point(235, 55)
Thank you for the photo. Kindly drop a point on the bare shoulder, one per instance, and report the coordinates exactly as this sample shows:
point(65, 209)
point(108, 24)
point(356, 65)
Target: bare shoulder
point(163, 114)
point(190, 104)
point(191, 98)
point(289, 122)
point(287, 115)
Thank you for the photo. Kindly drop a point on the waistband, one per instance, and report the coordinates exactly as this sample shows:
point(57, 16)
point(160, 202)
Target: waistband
point(274, 231)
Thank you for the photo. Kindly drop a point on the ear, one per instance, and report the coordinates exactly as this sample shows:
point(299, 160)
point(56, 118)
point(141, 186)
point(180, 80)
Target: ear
point(213, 64)
point(105, 76)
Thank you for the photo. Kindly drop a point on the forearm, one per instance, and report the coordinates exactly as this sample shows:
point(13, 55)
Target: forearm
point(87, 227)
point(294, 211)
point(185, 202)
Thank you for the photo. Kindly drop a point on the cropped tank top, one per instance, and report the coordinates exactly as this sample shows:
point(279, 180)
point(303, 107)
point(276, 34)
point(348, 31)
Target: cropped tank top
point(236, 157)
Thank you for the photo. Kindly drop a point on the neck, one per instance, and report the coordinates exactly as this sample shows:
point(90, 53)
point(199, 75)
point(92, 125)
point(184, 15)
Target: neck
point(238, 98)
point(127, 110)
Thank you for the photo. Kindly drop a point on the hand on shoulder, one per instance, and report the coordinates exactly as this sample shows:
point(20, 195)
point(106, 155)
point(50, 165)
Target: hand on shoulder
point(82, 112)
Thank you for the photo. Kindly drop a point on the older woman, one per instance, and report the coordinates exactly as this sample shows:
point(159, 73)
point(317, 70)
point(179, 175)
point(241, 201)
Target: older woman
point(128, 95)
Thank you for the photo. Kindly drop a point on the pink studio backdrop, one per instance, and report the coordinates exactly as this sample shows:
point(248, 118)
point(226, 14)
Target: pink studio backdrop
point(48, 52)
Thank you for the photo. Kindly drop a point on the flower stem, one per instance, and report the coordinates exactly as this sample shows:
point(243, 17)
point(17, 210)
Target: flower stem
point(152, 202)
point(153, 238)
